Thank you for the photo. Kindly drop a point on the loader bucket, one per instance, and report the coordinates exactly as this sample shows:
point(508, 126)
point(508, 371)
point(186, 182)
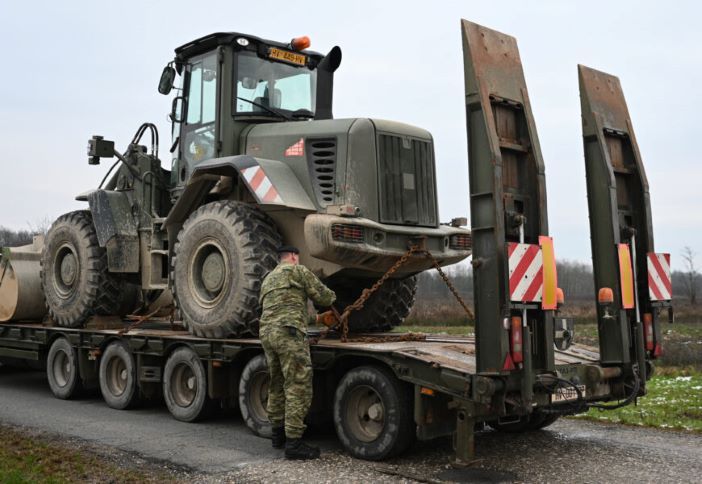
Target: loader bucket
point(21, 297)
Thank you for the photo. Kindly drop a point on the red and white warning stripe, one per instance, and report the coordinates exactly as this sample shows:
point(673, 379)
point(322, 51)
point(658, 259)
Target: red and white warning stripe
point(660, 285)
point(261, 185)
point(525, 272)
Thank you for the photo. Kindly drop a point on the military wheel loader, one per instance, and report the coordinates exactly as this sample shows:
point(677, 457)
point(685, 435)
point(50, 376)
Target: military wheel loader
point(257, 161)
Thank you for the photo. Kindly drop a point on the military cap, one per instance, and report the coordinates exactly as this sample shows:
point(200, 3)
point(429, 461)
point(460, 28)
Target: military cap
point(284, 249)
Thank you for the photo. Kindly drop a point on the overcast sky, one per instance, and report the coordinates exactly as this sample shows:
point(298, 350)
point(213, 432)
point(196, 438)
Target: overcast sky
point(73, 69)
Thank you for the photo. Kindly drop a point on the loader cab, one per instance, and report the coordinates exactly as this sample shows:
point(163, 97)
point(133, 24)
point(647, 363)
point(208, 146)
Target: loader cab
point(230, 81)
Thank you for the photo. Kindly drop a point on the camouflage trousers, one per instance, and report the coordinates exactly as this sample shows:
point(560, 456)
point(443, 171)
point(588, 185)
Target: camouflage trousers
point(290, 367)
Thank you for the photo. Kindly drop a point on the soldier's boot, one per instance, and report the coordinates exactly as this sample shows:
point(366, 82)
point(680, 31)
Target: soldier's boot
point(296, 449)
point(278, 437)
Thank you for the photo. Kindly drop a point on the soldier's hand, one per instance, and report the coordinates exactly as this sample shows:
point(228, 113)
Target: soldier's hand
point(327, 318)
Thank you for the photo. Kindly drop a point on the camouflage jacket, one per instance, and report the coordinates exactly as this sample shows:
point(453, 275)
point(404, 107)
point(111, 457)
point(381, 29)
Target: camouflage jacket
point(284, 294)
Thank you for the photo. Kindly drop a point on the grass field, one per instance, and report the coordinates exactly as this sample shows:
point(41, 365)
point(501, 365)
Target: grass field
point(27, 458)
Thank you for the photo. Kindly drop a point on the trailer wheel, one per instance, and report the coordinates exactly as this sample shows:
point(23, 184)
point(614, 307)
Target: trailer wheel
point(224, 251)
point(185, 386)
point(373, 413)
point(386, 308)
point(74, 275)
point(62, 370)
point(118, 378)
point(253, 396)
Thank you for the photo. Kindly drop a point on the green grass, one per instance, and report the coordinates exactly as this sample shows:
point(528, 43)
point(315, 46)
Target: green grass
point(674, 401)
point(26, 458)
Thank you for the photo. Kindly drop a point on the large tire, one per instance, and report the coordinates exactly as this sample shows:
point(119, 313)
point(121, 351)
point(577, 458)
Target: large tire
point(224, 251)
point(185, 386)
point(62, 370)
point(387, 307)
point(253, 396)
point(373, 413)
point(74, 274)
point(118, 377)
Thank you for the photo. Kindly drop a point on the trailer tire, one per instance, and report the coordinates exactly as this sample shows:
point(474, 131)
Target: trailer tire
point(74, 274)
point(373, 413)
point(387, 307)
point(223, 252)
point(62, 370)
point(253, 396)
point(118, 377)
point(185, 386)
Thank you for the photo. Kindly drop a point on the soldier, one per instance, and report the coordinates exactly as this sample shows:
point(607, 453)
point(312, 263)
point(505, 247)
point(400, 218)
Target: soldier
point(283, 334)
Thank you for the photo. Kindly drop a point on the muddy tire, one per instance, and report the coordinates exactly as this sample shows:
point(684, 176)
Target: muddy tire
point(253, 396)
point(185, 386)
point(74, 274)
point(223, 252)
point(62, 370)
point(387, 307)
point(118, 377)
point(373, 413)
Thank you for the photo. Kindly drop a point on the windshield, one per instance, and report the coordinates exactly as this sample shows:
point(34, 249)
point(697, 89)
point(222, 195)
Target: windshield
point(273, 84)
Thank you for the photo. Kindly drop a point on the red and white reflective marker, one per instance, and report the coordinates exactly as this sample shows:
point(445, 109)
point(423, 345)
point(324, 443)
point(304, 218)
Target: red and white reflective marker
point(261, 185)
point(660, 286)
point(296, 149)
point(525, 272)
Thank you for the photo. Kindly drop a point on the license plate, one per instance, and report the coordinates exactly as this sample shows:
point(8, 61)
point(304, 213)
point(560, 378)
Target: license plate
point(567, 394)
point(287, 56)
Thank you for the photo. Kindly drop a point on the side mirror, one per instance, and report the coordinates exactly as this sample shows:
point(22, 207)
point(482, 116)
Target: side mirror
point(167, 77)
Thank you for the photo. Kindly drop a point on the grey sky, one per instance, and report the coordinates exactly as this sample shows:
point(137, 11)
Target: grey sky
point(74, 69)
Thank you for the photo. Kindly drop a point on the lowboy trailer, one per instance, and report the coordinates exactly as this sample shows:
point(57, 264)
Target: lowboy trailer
point(520, 372)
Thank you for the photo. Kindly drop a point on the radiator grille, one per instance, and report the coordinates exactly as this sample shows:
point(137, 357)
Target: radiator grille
point(321, 157)
point(407, 181)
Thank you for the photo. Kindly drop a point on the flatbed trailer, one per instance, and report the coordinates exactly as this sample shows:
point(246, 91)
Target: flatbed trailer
point(427, 382)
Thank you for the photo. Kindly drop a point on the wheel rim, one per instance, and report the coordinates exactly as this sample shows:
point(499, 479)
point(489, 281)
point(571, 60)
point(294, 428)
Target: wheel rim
point(258, 396)
point(208, 273)
point(61, 368)
point(117, 376)
point(365, 413)
point(183, 385)
point(66, 269)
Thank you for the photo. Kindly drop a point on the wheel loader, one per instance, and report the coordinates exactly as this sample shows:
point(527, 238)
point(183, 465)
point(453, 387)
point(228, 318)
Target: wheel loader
point(257, 160)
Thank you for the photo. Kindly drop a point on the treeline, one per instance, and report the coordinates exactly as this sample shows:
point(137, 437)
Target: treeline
point(14, 238)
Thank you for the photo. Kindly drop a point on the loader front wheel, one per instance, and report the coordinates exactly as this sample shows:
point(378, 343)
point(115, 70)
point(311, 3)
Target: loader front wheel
point(385, 309)
point(224, 251)
point(74, 275)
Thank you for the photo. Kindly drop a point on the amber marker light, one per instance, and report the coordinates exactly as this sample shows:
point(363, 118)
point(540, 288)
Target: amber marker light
point(560, 296)
point(300, 43)
point(605, 296)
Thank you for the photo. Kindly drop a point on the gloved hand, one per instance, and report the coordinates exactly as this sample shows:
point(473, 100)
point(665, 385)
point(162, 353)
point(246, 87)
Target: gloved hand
point(327, 318)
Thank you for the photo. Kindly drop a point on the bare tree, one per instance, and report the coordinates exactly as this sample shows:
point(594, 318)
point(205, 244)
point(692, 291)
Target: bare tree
point(691, 274)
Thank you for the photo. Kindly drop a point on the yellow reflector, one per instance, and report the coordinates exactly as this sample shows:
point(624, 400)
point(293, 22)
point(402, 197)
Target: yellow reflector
point(427, 391)
point(549, 296)
point(626, 276)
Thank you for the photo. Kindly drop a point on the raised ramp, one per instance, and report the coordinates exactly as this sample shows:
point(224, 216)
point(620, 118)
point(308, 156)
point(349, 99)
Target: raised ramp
point(620, 220)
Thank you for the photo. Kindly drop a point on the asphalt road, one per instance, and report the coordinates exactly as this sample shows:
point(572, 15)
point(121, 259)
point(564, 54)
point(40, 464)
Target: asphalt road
point(223, 449)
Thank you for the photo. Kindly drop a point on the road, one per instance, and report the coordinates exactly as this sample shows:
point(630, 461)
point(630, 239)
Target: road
point(223, 449)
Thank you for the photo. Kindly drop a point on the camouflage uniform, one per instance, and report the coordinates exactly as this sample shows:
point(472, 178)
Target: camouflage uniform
point(284, 295)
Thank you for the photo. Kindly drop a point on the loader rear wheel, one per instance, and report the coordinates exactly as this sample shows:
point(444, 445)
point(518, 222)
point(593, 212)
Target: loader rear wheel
point(74, 275)
point(62, 370)
point(223, 252)
point(386, 308)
